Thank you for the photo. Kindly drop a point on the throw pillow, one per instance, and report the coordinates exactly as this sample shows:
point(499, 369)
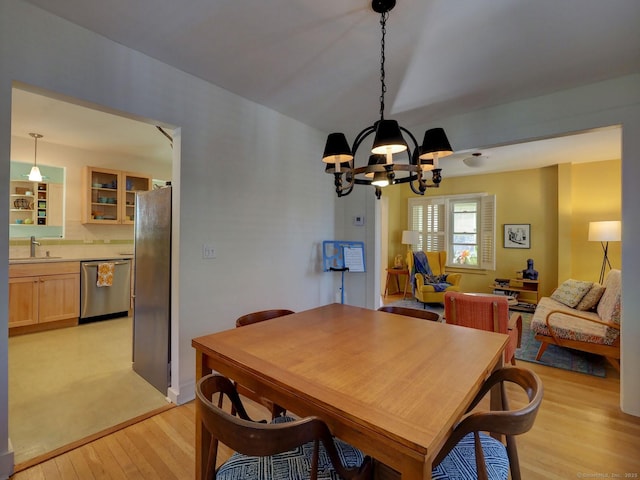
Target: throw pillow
point(571, 292)
point(591, 298)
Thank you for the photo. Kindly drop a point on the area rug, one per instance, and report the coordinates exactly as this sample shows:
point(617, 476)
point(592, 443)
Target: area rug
point(554, 356)
point(558, 357)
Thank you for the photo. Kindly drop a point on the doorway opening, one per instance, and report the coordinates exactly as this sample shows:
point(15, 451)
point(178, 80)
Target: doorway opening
point(70, 385)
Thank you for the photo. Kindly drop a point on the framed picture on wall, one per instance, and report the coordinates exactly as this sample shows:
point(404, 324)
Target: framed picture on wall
point(517, 235)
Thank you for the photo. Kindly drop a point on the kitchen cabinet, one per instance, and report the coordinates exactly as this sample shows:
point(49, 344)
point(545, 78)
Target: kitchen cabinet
point(43, 295)
point(110, 195)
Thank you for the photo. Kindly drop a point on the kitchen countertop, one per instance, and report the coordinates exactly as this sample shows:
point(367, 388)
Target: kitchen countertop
point(51, 259)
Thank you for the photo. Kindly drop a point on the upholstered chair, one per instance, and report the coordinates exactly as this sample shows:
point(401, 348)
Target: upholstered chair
point(485, 312)
point(426, 292)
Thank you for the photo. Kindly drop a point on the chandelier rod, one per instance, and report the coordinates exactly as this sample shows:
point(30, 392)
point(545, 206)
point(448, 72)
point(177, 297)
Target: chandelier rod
point(383, 87)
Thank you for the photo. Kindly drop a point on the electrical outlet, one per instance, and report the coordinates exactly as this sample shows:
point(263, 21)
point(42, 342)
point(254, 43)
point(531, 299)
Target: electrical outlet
point(208, 251)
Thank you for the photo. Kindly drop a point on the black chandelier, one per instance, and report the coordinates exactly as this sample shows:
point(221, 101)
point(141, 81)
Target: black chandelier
point(381, 168)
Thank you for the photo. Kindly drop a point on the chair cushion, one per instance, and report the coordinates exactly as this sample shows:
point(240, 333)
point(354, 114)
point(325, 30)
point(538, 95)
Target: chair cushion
point(294, 464)
point(461, 461)
point(570, 292)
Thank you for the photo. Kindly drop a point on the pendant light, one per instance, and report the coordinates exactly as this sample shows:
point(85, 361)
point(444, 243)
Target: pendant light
point(389, 140)
point(34, 174)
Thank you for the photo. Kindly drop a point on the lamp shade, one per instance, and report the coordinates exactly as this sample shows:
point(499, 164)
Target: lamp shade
point(380, 179)
point(375, 159)
point(610, 231)
point(388, 139)
point(435, 143)
point(337, 150)
point(35, 175)
point(410, 237)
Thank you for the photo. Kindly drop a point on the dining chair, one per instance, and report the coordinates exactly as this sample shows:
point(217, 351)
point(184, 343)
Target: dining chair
point(249, 319)
point(261, 316)
point(485, 312)
point(411, 312)
point(284, 449)
point(470, 453)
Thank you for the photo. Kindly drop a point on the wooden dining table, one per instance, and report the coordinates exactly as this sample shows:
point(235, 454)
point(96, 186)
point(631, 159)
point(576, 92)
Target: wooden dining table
point(392, 385)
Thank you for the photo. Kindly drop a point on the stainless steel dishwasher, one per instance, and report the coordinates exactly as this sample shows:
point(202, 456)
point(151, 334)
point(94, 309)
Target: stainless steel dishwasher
point(113, 300)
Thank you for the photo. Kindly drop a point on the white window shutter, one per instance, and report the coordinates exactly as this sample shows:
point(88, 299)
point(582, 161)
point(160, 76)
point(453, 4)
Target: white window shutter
point(487, 232)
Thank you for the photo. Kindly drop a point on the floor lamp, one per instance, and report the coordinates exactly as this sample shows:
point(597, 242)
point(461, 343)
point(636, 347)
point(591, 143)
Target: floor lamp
point(409, 238)
point(605, 232)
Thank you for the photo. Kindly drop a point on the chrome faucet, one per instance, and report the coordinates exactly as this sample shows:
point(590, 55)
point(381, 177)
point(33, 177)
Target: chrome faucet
point(33, 243)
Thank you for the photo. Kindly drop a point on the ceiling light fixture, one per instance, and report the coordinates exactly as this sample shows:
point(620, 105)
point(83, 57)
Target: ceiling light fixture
point(382, 167)
point(34, 174)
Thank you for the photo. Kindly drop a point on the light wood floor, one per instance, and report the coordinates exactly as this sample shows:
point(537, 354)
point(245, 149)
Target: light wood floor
point(580, 432)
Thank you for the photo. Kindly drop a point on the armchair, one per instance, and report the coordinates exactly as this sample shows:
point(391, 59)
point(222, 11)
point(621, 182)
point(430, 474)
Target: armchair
point(423, 290)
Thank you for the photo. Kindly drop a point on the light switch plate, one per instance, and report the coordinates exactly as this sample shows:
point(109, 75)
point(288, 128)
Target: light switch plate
point(208, 251)
point(358, 220)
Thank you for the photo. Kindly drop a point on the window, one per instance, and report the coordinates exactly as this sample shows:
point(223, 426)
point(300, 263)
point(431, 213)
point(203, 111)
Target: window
point(462, 225)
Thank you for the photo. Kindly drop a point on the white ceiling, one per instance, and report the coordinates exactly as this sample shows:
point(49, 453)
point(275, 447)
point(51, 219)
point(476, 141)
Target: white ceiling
point(318, 62)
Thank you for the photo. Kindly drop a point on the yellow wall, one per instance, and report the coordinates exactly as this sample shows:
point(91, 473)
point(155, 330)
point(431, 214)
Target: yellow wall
point(597, 196)
point(557, 201)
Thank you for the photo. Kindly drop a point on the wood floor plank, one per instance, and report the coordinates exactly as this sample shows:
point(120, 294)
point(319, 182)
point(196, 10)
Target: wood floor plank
point(108, 461)
point(123, 458)
point(65, 467)
point(79, 461)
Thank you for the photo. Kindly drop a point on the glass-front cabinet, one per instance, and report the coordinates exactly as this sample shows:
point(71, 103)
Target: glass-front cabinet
point(110, 195)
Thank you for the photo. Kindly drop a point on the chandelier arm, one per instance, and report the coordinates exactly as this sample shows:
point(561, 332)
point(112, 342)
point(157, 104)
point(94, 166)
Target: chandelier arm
point(359, 139)
point(351, 179)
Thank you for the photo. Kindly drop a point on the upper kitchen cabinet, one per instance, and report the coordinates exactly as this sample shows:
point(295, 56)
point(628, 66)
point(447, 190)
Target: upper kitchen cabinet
point(110, 195)
point(36, 208)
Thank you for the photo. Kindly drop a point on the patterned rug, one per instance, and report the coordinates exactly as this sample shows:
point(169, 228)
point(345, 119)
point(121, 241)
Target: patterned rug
point(554, 356)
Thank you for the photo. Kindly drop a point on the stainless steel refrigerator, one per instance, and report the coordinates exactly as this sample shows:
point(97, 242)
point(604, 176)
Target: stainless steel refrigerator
point(152, 287)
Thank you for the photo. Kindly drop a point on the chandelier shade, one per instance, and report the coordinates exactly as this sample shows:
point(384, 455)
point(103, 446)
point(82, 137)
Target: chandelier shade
point(336, 150)
point(395, 156)
point(388, 138)
point(435, 144)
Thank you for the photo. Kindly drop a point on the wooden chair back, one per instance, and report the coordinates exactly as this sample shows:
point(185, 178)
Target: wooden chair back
point(411, 312)
point(245, 436)
point(249, 319)
point(261, 316)
point(503, 421)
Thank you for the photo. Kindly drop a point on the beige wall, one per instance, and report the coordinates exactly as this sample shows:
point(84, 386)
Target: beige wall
point(534, 197)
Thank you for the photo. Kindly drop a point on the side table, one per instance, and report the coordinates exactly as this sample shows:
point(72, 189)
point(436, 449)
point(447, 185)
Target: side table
point(396, 272)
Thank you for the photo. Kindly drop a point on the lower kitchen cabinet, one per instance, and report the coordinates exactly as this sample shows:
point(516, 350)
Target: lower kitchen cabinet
point(43, 296)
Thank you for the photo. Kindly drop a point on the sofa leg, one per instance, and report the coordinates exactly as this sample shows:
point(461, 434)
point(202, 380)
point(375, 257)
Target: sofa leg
point(543, 347)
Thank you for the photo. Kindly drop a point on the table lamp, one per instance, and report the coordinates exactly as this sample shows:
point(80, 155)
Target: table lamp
point(605, 232)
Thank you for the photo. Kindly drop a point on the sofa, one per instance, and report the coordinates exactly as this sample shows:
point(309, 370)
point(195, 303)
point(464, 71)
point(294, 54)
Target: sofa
point(582, 315)
point(424, 291)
